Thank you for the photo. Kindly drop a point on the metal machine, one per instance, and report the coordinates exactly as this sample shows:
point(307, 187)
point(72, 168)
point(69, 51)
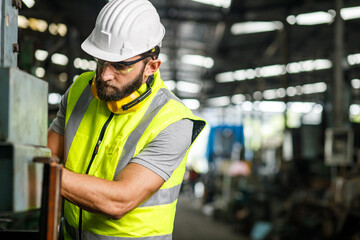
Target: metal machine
point(25, 185)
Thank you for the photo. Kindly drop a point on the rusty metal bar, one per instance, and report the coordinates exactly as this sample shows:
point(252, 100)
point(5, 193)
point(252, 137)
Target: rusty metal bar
point(51, 199)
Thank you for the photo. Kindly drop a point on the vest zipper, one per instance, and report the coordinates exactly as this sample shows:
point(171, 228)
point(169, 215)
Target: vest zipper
point(96, 150)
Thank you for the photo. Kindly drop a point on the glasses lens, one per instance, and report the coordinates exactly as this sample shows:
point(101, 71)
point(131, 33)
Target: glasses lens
point(121, 68)
point(117, 66)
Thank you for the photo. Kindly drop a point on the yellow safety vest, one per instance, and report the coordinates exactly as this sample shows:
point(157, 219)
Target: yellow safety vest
point(101, 144)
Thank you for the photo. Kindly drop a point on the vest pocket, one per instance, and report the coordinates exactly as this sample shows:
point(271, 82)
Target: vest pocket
point(78, 154)
point(107, 159)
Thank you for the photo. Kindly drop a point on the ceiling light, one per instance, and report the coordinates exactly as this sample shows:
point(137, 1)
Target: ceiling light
point(23, 22)
point(63, 77)
point(188, 87)
point(238, 98)
point(240, 75)
point(320, 64)
point(350, 13)
point(293, 67)
point(321, 17)
point(272, 106)
point(198, 60)
point(291, 91)
point(59, 28)
point(355, 83)
point(85, 64)
point(170, 84)
point(208, 62)
point(255, 27)
point(225, 77)
point(291, 19)
point(40, 72)
point(308, 89)
point(62, 29)
point(247, 106)
point(270, 94)
point(29, 3)
point(38, 24)
point(250, 73)
point(281, 92)
point(53, 29)
point(318, 108)
point(163, 57)
point(243, 74)
point(320, 87)
point(217, 3)
point(41, 55)
point(307, 66)
point(54, 98)
point(192, 104)
point(354, 109)
point(315, 18)
point(77, 63)
point(219, 101)
point(59, 59)
point(301, 107)
point(92, 65)
point(280, 69)
point(354, 59)
point(257, 95)
point(270, 71)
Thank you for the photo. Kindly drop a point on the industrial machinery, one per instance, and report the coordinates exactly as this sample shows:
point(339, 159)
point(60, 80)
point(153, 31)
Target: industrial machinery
point(26, 186)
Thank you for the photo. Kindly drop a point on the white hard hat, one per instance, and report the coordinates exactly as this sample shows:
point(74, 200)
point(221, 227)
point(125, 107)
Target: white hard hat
point(124, 28)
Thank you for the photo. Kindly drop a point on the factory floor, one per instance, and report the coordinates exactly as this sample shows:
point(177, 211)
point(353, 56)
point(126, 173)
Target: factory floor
point(192, 224)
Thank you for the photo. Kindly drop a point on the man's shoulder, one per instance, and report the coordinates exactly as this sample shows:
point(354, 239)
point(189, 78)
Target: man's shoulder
point(84, 78)
point(176, 105)
point(81, 82)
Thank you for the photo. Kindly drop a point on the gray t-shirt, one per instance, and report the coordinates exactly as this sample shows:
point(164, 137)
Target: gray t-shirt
point(162, 155)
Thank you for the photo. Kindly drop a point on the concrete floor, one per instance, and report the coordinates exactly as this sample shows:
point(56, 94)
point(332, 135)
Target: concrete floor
point(192, 224)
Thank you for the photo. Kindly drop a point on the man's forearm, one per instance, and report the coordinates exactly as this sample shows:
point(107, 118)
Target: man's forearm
point(133, 186)
point(93, 194)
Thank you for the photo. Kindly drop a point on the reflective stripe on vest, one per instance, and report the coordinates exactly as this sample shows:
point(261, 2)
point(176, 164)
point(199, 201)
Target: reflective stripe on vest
point(76, 117)
point(74, 233)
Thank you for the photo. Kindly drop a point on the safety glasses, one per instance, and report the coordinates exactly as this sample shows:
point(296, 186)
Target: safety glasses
point(123, 67)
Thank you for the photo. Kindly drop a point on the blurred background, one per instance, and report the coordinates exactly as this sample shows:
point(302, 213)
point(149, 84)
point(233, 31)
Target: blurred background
point(278, 82)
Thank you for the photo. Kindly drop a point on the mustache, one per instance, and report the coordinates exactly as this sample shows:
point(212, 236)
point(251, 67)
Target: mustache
point(101, 83)
point(109, 91)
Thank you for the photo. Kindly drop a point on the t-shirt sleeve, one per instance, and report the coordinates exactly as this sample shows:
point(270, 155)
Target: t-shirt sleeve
point(58, 124)
point(165, 153)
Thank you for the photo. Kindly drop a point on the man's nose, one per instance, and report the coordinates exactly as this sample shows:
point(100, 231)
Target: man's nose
point(107, 73)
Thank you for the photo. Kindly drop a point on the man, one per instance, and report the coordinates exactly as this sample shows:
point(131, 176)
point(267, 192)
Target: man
point(123, 136)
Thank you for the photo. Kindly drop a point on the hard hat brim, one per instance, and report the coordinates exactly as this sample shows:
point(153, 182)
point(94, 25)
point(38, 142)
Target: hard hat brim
point(96, 52)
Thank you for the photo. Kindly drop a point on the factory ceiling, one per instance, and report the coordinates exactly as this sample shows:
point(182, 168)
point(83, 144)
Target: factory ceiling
point(202, 47)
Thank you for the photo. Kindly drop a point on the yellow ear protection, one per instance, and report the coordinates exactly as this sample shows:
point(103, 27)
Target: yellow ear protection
point(129, 103)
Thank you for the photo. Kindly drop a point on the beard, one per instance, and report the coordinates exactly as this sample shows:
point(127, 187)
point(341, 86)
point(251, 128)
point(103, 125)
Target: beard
point(108, 92)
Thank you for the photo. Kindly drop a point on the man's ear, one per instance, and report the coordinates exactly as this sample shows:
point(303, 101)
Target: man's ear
point(152, 67)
